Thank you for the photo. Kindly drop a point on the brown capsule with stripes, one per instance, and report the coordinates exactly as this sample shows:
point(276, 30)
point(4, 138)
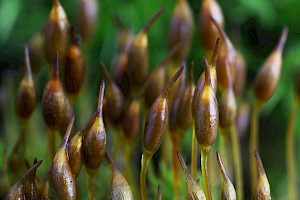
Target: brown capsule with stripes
point(94, 140)
point(207, 112)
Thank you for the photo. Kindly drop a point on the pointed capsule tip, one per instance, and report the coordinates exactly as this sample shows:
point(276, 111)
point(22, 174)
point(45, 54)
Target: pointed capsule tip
point(214, 56)
point(27, 61)
point(68, 132)
point(221, 166)
point(260, 166)
point(152, 20)
point(207, 72)
point(171, 82)
point(283, 38)
point(101, 95)
point(105, 72)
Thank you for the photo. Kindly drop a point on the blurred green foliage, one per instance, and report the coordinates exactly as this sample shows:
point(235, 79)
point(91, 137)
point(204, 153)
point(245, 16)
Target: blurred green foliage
point(253, 25)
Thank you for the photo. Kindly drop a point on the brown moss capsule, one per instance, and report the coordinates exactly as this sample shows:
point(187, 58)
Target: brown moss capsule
point(63, 180)
point(87, 16)
point(213, 73)
point(119, 187)
point(94, 141)
point(25, 187)
point(227, 103)
point(27, 98)
point(297, 87)
point(157, 118)
point(114, 106)
point(228, 191)
point(268, 76)
point(56, 32)
point(184, 114)
point(241, 71)
point(207, 113)
point(74, 67)
point(138, 58)
point(54, 100)
point(262, 190)
point(194, 191)
point(208, 32)
point(75, 151)
point(181, 29)
point(4, 181)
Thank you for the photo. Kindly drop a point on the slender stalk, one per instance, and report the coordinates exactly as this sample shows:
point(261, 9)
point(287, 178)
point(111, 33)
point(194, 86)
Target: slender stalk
point(90, 182)
point(204, 166)
point(146, 157)
point(24, 127)
point(194, 155)
point(224, 150)
point(237, 162)
point(175, 165)
point(51, 143)
point(290, 152)
point(253, 143)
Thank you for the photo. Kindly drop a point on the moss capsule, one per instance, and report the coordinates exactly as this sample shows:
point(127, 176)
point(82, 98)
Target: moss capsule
point(227, 103)
point(138, 57)
point(27, 95)
point(194, 191)
point(262, 190)
point(181, 29)
point(157, 118)
point(207, 113)
point(94, 141)
point(87, 15)
point(114, 107)
point(213, 73)
point(56, 32)
point(62, 178)
point(25, 187)
point(267, 79)
point(208, 32)
point(74, 67)
point(228, 191)
point(119, 188)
